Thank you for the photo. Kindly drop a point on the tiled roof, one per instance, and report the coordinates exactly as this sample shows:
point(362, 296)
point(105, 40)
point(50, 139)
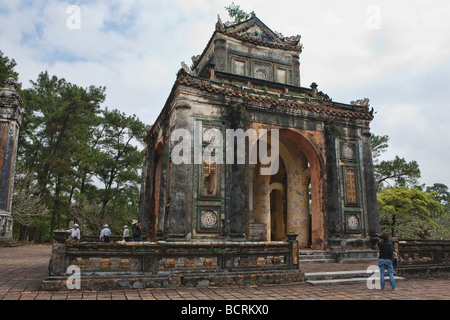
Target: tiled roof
point(274, 45)
point(283, 102)
point(273, 40)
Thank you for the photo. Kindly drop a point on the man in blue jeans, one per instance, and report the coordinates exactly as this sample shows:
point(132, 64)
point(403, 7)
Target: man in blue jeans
point(385, 260)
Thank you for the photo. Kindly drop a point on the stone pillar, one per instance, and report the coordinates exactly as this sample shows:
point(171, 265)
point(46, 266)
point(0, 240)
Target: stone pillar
point(296, 71)
point(262, 203)
point(235, 206)
point(10, 119)
point(237, 203)
point(220, 55)
point(333, 203)
point(179, 215)
point(144, 200)
point(164, 195)
point(256, 231)
point(371, 193)
point(298, 217)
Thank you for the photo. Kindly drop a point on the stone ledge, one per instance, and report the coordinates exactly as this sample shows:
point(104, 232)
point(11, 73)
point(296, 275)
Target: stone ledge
point(424, 271)
point(175, 280)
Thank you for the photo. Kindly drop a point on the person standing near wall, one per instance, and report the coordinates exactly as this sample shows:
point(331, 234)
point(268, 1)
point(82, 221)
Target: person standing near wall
point(136, 231)
point(105, 233)
point(126, 233)
point(385, 260)
point(75, 234)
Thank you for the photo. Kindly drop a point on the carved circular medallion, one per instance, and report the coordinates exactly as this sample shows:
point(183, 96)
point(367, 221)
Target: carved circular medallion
point(347, 152)
point(209, 135)
point(261, 74)
point(353, 222)
point(208, 219)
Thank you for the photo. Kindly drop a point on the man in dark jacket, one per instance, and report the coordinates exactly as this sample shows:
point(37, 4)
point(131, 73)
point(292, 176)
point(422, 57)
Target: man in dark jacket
point(136, 231)
point(385, 259)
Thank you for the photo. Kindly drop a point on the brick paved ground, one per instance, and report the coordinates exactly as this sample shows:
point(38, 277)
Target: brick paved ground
point(23, 268)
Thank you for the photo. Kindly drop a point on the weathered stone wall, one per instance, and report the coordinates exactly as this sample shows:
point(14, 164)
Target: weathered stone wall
point(162, 264)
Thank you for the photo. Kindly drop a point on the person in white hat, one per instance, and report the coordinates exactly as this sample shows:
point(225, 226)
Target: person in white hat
point(105, 233)
point(126, 233)
point(75, 234)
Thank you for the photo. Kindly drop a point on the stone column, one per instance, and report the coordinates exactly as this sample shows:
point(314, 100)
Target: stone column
point(333, 203)
point(10, 119)
point(371, 193)
point(262, 203)
point(179, 216)
point(296, 71)
point(144, 199)
point(298, 217)
point(235, 206)
point(220, 55)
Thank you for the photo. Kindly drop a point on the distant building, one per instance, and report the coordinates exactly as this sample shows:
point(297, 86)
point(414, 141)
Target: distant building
point(247, 80)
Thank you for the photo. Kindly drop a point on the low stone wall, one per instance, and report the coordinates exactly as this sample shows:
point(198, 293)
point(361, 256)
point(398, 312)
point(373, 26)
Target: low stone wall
point(107, 266)
point(424, 258)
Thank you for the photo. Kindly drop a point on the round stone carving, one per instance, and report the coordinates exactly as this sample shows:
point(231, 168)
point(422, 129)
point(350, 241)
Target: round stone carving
point(353, 222)
point(261, 74)
point(209, 135)
point(208, 219)
point(347, 152)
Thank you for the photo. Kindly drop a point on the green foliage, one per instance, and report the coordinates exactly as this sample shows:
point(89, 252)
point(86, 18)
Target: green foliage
point(399, 171)
point(392, 172)
point(235, 12)
point(7, 68)
point(408, 212)
point(55, 131)
point(441, 193)
point(77, 162)
point(118, 161)
point(379, 145)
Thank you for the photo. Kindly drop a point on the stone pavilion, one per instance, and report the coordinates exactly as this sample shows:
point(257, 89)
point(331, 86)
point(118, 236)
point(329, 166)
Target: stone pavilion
point(247, 80)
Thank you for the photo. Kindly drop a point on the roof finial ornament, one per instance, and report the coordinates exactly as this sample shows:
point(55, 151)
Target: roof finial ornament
point(314, 89)
point(219, 24)
point(361, 103)
point(186, 68)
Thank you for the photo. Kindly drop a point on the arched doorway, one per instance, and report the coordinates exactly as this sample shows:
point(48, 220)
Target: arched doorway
point(290, 200)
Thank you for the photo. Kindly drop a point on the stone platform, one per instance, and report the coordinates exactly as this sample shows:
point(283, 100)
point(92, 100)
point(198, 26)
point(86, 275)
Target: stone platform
point(24, 267)
point(143, 281)
point(110, 266)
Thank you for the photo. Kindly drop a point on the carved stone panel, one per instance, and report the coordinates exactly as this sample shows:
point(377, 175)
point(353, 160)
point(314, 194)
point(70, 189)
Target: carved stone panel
point(208, 219)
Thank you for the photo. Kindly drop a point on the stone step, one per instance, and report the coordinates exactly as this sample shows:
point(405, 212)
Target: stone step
point(341, 277)
point(347, 281)
point(315, 256)
point(317, 260)
point(308, 256)
point(337, 274)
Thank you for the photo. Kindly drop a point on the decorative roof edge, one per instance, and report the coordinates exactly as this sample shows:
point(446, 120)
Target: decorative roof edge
point(311, 104)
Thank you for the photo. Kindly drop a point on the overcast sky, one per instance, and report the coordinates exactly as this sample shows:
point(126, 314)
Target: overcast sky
point(396, 53)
